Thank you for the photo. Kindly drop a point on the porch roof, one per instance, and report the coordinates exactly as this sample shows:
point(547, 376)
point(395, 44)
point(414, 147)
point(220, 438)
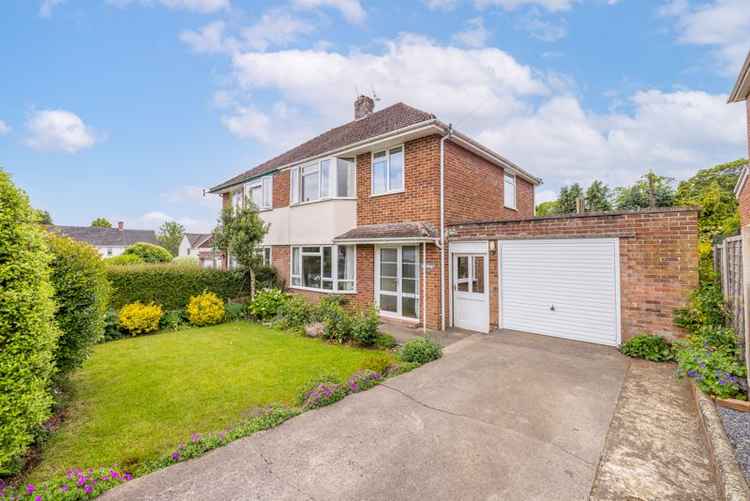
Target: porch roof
point(390, 233)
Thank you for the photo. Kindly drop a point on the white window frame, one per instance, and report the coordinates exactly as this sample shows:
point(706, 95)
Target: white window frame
point(266, 254)
point(326, 191)
point(399, 294)
point(389, 189)
point(514, 180)
point(334, 279)
point(265, 184)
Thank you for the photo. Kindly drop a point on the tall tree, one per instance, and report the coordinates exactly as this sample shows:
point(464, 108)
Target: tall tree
point(43, 216)
point(598, 197)
point(101, 222)
point(651, 190)
point(566, 202)
point(239, 234)
point(170, 236)
point(549, 208)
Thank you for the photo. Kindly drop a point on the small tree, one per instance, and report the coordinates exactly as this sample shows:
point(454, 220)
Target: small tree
point(651, 190)
point(170, 236)
point(598, 197)
point(549, 208)
point(101, 222)
point(239, 234)
point(566, 202)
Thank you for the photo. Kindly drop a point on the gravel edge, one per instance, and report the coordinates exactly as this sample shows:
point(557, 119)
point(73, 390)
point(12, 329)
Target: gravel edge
point(737, 428)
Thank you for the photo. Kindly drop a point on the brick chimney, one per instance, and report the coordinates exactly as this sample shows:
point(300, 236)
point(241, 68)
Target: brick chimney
point(120, 225)
point(363, 106)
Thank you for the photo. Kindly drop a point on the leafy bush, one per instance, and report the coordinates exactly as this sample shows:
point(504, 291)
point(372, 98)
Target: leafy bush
point(205, 309)
point(718, 338)
point(716, 371)
point(82, 293)
point(294, 313)
point(28, 334)
point(138, 318)
point(321, 391)
point(363, 380)
point(421, 350)
point(186, 261)
point(648, 347)
point(385, 342)
point(123, 260)
point(377, 363)
point(338, 323)
point(173, 320)
point(707, 307)
point(329, 306)
point(266, 277)
point(169, 285)
point(234, 311)
point(112, 329)
point(266, 304)
point(365, 327)
point(150, 253)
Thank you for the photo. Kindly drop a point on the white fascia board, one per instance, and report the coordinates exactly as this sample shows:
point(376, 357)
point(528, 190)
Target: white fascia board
point(386, 241)
point(741, 90)
point(741, 182)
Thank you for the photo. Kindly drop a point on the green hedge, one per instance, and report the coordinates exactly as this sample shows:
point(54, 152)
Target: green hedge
point(172, 285)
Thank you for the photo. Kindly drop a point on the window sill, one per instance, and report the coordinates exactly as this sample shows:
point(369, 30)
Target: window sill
point(395, 192)
point(511, 208)
point(320, 200)
point(396, 316)
point(324, 291)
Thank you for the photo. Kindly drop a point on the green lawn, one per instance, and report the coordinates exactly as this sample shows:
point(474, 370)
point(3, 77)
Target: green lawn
point(139, 397)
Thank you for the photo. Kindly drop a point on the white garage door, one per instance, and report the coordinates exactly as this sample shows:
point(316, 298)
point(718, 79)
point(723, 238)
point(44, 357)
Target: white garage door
point(562, 288)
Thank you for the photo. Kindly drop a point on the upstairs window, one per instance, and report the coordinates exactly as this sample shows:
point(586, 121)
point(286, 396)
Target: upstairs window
point(258, 191)
point(327, 178)
point(388, 171)
point(509, 193)
point(310, 183)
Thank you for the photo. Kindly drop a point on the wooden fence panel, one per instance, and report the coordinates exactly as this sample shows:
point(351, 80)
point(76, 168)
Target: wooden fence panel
point(728, 262)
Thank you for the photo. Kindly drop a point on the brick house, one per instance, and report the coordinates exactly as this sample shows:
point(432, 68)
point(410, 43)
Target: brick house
point(398, 210)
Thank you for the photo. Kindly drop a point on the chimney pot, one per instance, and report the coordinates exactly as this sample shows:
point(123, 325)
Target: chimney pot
point(363, 106)
point(120, 225)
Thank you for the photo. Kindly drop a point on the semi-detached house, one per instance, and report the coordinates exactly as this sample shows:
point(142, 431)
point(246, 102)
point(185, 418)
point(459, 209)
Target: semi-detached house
point(398, 210)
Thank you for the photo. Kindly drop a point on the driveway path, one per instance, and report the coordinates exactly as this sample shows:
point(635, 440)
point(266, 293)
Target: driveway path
point(507, 416)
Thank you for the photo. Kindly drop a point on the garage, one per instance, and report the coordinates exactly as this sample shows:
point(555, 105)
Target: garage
point(567, 288)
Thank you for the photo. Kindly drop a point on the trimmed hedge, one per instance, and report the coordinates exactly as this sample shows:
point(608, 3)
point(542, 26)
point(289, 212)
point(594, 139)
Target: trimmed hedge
point(171, 285)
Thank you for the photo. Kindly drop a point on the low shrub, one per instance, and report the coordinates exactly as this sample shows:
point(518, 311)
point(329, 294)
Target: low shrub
point(205, 309)
point(77, 484)
point(150, 253)
point(385, 342)
point(234, 311)
point(420, 351)
point(112, 329)
point(338, 323)
point(363, 380)
point(171, 285)
point(266, 304)
point(364, 328)
point(648, 347)
point(138, 318)
point(716, 371)
point(186, 261)
point(82, 294)
point(707, 307)
point(123, 260)
point(718, 338)
point(379, 363)
point(330, 306)
point(294, 313)
point(174, 320)
point(321, 391)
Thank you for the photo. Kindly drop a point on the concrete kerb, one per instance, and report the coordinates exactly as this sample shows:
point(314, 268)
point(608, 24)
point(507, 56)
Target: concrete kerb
point(729, 477)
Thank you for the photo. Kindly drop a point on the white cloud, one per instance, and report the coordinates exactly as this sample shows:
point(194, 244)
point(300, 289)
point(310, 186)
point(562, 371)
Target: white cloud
point(248, 123)
point(208, 39)
point(475, 35)
point(4, 128)
point(441, 4)
point(58, 130)
point(47, 6)
point(202, 6)
point(551, 5)
point(721, 24)
point(544, 30)
point(352, 10)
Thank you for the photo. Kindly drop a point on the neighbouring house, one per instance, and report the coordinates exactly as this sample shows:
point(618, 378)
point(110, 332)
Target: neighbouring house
point(201, 246)
point(108, 241)
point(399, 210)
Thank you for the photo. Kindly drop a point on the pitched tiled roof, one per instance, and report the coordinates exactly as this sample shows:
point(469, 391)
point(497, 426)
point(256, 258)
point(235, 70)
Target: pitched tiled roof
point(104, 237)
point(386, 120)
point(198, 239)
point(393, 230)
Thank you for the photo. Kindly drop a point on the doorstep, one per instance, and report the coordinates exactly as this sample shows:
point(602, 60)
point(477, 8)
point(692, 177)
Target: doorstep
point(404, 332)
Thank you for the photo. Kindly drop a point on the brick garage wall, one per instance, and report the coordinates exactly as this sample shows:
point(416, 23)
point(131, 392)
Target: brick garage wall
point(474, 189)
point(658, 258)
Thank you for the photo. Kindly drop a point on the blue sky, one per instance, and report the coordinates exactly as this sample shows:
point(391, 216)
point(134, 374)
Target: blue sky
point(128, 108)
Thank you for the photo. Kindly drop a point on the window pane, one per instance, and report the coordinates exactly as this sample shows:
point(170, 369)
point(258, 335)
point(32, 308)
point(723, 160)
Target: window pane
point(409, 270)
point(379, 174)
point(396, 170)
point(388, 284)
point(409, 307)
point(325, 178)
point(409, 254)
point(256, 195)
point(352, 188)
point(388, 269)
point(328, 284)
point(462, 267)
point(510, 192)
point(346, 285)
point(478, 282)
point(268, 191)
point(310, 185)
point(345, 262)
point(311, 271)
point(295, 261)
point(296, 281)
point(267, 256)
point(313, 250)
point(343, 169)
point(408, 286)
point(295, 185)
point(388, 303)
point(388, 255)
point(327, 263)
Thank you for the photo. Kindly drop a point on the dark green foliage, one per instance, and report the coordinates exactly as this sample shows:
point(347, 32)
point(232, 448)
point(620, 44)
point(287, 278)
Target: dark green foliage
point(338, 322)
point(710, 357)
point(650, 190)
point(266, 277)
point(234, 311)
point(171, 285)
point(598, 197)
point(28, 333)
point(648, 347)
point(150, 253)
point(707, 308)
point(365, 327)
point(266, 304)
point(295, 313)
point(170, 235)
point(82, 292)
point(566, 202)
point(420, 351)
point(112, 327)
point(101, 222)
point(385, 342)
point(174, 320)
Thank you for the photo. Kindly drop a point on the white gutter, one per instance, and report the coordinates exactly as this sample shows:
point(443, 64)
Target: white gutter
point(402, 240)
point(442, 225)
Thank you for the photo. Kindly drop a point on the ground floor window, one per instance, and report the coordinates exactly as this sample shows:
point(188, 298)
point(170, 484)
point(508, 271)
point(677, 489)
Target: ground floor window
point(324, 267)
point(264, 253)
point(397, 280)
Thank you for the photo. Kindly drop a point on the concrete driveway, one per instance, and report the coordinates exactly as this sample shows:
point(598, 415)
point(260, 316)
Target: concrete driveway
point(505, 416)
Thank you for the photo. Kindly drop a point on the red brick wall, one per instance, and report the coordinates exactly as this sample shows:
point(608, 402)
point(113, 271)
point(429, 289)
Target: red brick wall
point(281, 189)
point(474, 189)
point(658, 258)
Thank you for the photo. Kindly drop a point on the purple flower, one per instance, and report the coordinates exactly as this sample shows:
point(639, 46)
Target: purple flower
point(128, 477)
point(30, 489)
point(113, 474)
point(692, 373)
point(88, 489)
point(81, 480)
point(175, 456)
point(722, 382)
point(64, 487)
point(38, 498)
point(195, 437)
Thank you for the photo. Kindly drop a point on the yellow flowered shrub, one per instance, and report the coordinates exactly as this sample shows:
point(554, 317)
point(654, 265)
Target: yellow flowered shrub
point(138, 318)
point(205, 309)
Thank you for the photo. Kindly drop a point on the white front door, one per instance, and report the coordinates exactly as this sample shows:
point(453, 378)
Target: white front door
point(397, 281)
point(471, 306)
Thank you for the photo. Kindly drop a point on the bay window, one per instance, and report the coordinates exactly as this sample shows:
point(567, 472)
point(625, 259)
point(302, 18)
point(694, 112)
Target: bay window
point(509, 192)
point(324, 179)
point(258, 191)
point(388, 171)
point(324, 267)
